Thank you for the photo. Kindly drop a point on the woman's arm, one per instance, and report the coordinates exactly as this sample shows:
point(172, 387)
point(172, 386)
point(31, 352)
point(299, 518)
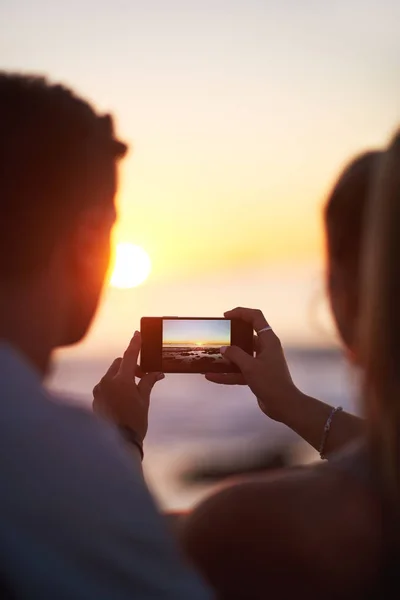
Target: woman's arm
point(269, 378)
point(308, 416)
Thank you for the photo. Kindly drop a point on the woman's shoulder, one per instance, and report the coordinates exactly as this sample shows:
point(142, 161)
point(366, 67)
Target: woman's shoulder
point(314, 522)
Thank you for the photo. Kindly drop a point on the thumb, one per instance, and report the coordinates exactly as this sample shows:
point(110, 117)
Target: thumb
point(237, 356)
point(147, 383)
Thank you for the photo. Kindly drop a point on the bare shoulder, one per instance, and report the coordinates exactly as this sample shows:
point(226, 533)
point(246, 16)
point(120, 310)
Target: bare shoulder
point(311, 528)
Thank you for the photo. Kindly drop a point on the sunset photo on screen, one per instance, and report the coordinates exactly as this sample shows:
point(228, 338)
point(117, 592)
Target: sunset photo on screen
point(193, 346)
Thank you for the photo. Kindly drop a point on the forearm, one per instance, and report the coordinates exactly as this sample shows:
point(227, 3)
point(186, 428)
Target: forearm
point(307, 416)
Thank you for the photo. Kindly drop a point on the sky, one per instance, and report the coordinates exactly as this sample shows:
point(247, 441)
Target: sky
point(239, 115)
point(209, 332)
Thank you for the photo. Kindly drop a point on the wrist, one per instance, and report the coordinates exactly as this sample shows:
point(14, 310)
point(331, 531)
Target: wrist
point(133, 424)
point(288, 407)
point(132, 437)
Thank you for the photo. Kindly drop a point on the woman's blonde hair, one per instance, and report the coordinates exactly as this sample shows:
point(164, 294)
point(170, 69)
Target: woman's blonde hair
point(379, 325)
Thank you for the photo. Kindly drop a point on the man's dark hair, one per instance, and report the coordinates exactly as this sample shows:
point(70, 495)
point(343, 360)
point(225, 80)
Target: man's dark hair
point(54, 149)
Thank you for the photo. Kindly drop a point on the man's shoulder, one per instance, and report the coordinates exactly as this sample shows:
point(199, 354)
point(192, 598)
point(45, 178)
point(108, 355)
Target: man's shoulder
point(28, 408)
point(51, 434)
point(62, 459)
point(57, 431)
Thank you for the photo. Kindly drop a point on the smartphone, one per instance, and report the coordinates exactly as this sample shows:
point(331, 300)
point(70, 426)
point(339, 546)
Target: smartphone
point(191, 345)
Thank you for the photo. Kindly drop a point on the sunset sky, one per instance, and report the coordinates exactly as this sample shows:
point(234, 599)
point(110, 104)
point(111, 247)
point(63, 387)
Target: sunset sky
point(191, 332)
point(239, 115)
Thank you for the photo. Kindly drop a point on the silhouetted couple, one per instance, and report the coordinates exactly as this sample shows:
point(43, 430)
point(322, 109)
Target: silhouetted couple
point(76, 518)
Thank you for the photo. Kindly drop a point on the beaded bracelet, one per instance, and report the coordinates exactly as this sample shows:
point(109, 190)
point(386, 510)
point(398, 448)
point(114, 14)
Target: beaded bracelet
point(327, 429)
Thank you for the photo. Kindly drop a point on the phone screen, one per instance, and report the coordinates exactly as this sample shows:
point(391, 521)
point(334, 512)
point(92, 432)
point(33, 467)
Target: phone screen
point(180, 345)
point(192, 345)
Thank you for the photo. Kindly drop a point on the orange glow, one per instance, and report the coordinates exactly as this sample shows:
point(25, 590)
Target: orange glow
point(221, 227)
point(132, 266)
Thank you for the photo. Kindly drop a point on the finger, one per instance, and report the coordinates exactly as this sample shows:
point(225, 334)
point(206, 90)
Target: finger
point(256, 318)
point(257, 344)
point(147, 383)
point(250, 315)
point(113, 369)
point(128, 365)
point(96, 390)
point(238, 357)
point(99, 408)
point(139, 373)
point(226, 378)
point(264, 339)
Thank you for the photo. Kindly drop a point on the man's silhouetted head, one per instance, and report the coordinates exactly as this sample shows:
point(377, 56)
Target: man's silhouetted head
point(57, 186)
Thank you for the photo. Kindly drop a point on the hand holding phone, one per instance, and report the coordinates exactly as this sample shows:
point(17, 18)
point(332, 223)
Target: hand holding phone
point(117, 396)
point(192, 345)
point(267, 374)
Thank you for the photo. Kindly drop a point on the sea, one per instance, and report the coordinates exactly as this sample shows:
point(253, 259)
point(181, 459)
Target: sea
point(198, 431)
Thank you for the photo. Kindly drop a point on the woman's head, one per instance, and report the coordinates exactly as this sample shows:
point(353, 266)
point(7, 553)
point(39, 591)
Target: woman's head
point(379, 323)
point(344, 222)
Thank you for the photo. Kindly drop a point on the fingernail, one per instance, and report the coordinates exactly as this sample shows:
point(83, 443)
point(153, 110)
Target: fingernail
point(136, 334)
point(223, 349)
point(160, 376)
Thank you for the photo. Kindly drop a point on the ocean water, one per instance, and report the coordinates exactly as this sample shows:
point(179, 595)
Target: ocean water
point(195, 424)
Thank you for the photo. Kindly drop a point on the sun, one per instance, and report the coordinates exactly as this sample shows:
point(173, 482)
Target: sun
point(132, 266)
point(199, 344)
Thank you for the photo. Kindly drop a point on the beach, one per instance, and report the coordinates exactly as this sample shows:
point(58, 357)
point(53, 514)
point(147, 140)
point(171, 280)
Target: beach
point(176, 359)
